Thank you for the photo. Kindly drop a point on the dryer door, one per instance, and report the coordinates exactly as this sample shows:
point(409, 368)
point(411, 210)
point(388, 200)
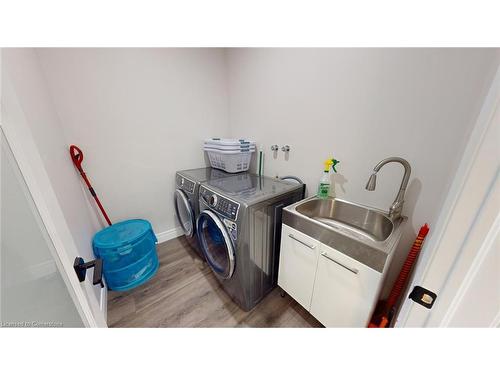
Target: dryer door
point(185, 213)
point(216, 244)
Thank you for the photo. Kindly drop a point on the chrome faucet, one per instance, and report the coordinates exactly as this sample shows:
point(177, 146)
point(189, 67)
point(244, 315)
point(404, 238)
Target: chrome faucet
point(397, 205)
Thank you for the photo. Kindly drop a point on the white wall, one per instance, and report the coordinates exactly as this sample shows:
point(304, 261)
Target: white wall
point(138, 115)
point(461, 262)
point(23, 69)
point(36, 136)
point(141, 114)
point(360, 106)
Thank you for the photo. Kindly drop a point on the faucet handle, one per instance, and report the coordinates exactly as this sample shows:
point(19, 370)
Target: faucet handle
point(396, 209)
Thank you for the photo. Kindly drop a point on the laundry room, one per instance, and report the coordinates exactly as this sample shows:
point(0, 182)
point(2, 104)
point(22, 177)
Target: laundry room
point(234, 187)
point(283, 187)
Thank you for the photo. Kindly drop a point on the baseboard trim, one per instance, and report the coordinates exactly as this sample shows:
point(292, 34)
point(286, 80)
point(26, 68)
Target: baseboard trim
point(169, 234)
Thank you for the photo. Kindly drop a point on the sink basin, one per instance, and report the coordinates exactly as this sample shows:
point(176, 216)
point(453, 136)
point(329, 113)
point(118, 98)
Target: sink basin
point(338, 213)
point(363, 233)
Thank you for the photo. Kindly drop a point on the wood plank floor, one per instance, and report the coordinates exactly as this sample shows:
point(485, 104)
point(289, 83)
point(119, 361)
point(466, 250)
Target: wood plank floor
point(185, 293)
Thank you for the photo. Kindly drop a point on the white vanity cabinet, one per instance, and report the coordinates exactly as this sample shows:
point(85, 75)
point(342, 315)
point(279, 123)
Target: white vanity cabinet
point(345, 290)
point(337, 290)
point(297, 269)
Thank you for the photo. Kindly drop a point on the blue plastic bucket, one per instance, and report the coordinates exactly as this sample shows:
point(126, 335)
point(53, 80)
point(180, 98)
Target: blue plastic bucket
point(128, 251)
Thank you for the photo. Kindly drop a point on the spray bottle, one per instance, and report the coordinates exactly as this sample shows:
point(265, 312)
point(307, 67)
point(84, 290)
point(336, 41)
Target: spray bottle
point(325, 183)
point(332, 171)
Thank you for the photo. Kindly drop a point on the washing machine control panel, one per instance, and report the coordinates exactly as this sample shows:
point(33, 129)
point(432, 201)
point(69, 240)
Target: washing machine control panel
point(185, 184)
point(220, 204)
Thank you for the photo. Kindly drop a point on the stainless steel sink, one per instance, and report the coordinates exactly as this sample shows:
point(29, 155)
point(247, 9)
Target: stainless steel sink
point(338, 213)
point(364, 233)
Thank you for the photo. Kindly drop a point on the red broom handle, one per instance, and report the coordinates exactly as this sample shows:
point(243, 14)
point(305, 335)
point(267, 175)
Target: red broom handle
point(407, 267)
point(77, 157)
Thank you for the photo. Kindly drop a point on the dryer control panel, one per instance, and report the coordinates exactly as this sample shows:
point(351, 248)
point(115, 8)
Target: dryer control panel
point(185, 184)
point(220, 204)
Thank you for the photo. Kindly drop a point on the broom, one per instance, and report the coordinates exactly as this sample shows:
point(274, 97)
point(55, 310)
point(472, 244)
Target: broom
point(385, 309)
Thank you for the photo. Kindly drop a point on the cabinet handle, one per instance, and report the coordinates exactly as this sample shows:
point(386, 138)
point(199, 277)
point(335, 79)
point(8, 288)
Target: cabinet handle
point(353, 270)
point(302, 242)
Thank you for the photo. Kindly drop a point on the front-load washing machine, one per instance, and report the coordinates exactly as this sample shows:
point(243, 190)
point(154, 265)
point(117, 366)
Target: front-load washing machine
point(239, 232)
point(186, 201)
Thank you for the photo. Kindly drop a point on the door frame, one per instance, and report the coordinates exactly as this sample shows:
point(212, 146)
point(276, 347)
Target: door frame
point(461, 213)
point(32, 169)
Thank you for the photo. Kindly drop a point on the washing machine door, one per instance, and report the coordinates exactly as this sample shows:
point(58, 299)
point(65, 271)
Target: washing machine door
point(185, 213)
point(216, 244)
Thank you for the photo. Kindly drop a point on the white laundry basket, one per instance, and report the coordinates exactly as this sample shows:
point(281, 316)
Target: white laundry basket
point(230, 155)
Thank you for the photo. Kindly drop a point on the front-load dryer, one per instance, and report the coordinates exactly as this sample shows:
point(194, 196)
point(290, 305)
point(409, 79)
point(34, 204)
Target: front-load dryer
point(186, 202)
point(239, 232)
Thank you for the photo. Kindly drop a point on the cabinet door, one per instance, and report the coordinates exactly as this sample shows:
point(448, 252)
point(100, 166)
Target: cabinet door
point(345, 290)
point(298, 261)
